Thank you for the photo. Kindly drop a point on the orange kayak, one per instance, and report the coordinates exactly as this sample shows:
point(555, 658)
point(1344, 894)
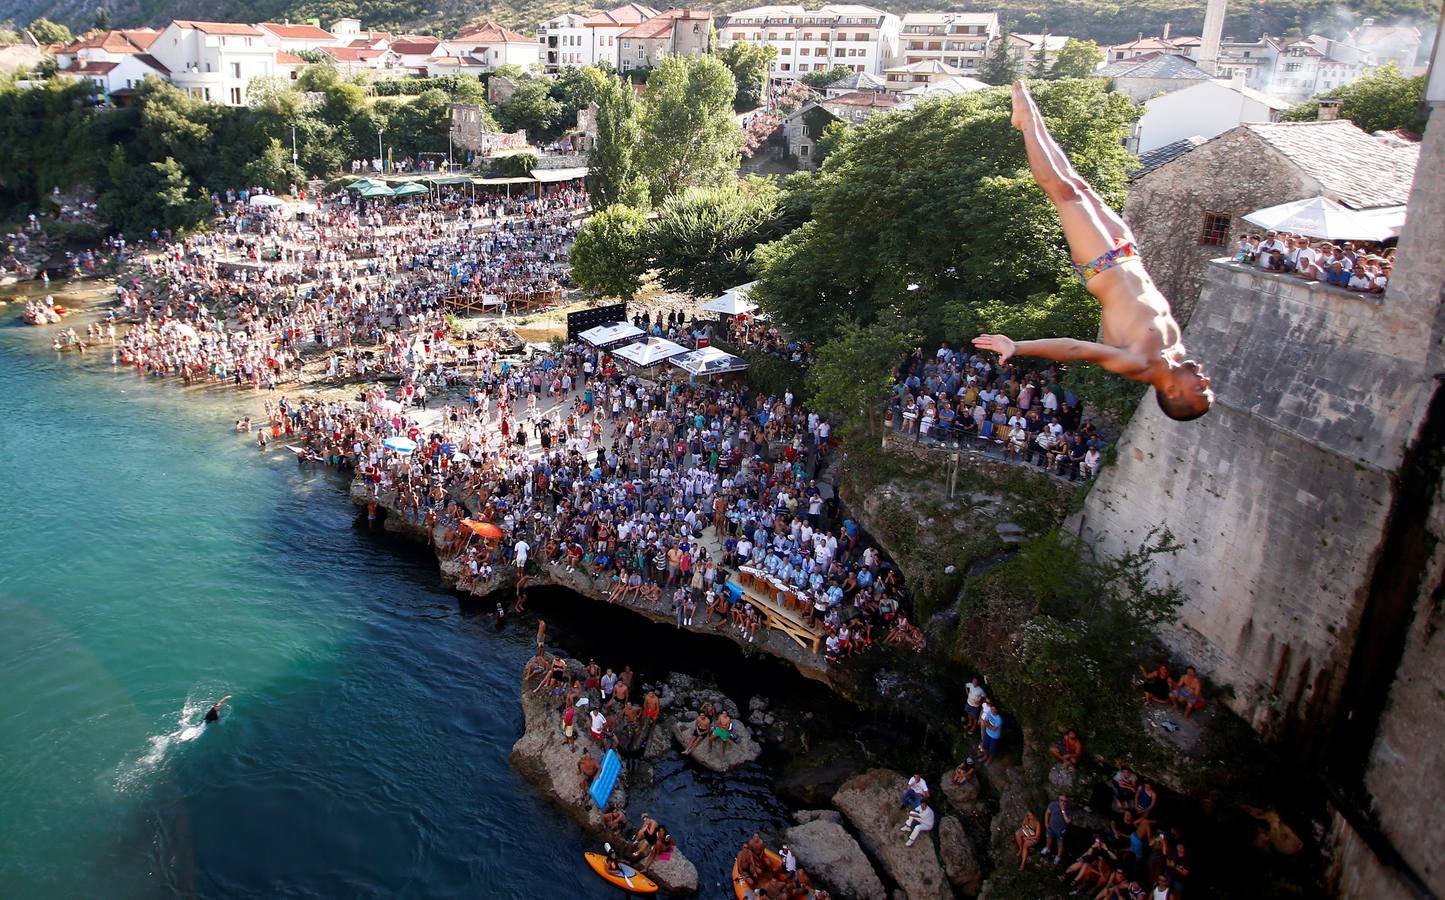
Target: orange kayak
point(629, 879)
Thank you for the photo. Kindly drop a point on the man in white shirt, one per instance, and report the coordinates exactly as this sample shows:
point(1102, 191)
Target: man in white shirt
point(519, 552)
point(918, 821)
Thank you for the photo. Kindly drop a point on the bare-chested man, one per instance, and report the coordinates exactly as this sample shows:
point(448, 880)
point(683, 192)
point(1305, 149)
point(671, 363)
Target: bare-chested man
point(1140, 339)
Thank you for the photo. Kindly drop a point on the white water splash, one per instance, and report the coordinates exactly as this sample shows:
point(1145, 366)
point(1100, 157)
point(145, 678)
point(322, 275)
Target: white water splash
point(190, 725)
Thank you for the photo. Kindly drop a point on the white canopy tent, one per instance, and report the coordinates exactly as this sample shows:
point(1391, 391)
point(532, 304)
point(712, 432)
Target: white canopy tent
point(1320, 217)
point(709, 361)
point(266, 200)
point(650, 352)
point(733, 301)
point(611, 333)
point(552, 176)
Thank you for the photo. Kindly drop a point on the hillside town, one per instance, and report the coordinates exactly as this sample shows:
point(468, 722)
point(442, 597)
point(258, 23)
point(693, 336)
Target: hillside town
point(777, 420)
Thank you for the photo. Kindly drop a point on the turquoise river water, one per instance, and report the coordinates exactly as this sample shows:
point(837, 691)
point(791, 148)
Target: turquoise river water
point(153, 561)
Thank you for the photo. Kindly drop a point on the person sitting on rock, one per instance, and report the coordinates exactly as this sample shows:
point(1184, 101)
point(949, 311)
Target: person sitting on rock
point(915, 792)
point(722, 730)
point(615, 820)
point(1188, 693)
point(701, 728)
point(1069, 750)
point(966, 772)
point(587, 769)
point(1027, 837)
point(920, 820)
point(1156, 683)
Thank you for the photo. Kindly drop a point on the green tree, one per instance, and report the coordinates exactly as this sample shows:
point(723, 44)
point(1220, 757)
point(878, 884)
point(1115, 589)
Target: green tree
point(689, 134)
point(749, 65)
point(703, 239)
point(834, 133)
point(1077, 59)
point(609, 256)
point(271, 167)
point(102, 19)
point(820, 80)
point(613, 176)
point(852, 375)
point(273, 95)
point(575, 88)
point(940, 196)
point(48, 32)
point(1383, 101)
point(320, 75)
point(1040, 66)
point(531, 108)
point(1001, 66)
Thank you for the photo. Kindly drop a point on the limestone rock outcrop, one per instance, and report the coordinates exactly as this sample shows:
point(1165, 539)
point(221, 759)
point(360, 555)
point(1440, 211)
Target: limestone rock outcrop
point(832, 858)
point(870, 802)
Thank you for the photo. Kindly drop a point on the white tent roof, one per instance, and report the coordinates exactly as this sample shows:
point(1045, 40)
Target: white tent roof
point(1320, 217)
point(266, 200)
point(610, 333)
point(547, 176)
point(709, 361)
point(733, 302)
point(649, 352)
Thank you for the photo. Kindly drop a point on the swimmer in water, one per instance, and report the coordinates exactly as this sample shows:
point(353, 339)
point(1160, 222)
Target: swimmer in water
point(214, 713)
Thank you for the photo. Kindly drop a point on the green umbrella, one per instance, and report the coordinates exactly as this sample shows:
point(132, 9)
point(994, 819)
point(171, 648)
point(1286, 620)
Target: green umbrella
point(377, 190)
point(362, 184)
point(410, 189)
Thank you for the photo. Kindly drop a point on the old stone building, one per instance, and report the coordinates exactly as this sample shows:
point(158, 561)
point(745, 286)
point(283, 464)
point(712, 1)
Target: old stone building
point(1190, 210)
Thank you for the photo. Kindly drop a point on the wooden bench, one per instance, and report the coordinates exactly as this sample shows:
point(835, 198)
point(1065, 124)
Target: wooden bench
point(778, 612)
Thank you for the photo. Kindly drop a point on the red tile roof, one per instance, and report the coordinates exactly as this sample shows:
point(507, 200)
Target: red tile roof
point(89, 68)
point(631, 14)
point(152, 62)
point(227, 28)
point(141, 37)
point(864, 98)
point(305, 31)
point(416, 48)
point(489, 33)
point(288, 59)
point(109, 41)
point(352, 54)
point(661, 24)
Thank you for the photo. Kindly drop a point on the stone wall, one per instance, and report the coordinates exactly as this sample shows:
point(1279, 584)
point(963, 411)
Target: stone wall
point(1281, 494)
point(1402, 781)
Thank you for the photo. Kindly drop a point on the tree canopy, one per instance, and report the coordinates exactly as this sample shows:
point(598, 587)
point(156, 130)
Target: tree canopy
point(749, 65)
point(48, 32)
point(703, 239)
point(609, 256)
point(689, 135)
point(913, 198)
point(820, 80)
point(614, 176)
point(1001, 66)
point(1076, 59)
point(1383, 101)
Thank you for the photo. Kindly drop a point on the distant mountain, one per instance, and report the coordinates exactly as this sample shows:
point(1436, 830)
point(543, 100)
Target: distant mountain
point(1106, 21)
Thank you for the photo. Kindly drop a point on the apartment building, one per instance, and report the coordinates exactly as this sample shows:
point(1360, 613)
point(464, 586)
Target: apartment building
point(957, 40)
point(860, 38)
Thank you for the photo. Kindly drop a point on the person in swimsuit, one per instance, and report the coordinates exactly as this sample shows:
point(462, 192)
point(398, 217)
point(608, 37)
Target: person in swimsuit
point(700, 728)
point(722, 730)
point(214, 713)
point(1026, 837)
point(1140, 338)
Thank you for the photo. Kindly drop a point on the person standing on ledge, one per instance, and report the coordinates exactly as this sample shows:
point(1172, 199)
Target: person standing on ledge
point(1140, 338)
point(214, 713)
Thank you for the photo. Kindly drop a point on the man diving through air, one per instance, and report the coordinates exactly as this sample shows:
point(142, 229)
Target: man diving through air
point(1140, 339)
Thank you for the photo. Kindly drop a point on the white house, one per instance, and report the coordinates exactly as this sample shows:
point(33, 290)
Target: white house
point(604, 29)
point(960, 40)
point(497, 46)
point(455, 65)
point(298, 38)
point(214, 60)
point(1141, 77)
point(1026, 48)
point(351, 61)
point(566, 41)
point(860, 38)
point(106, 46)
point(1204, 109)
point(111, 78)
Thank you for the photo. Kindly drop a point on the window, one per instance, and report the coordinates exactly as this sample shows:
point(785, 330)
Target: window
point(860, 37)
point(807, 35)
point(802, 51)
point(1216, 229)
point(786, 66)
point(787, 51)
point(235, 70)
point(804, 67)
point(626, 45)
point(235, 96)
point(1293, 67)
point(839, 51)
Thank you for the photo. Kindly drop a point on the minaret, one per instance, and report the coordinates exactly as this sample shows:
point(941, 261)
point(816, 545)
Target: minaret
point(1209, 40)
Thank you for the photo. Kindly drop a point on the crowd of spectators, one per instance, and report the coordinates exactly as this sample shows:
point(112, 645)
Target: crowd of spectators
point(956, 396)
point(625, 481)
point(1348, 264)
